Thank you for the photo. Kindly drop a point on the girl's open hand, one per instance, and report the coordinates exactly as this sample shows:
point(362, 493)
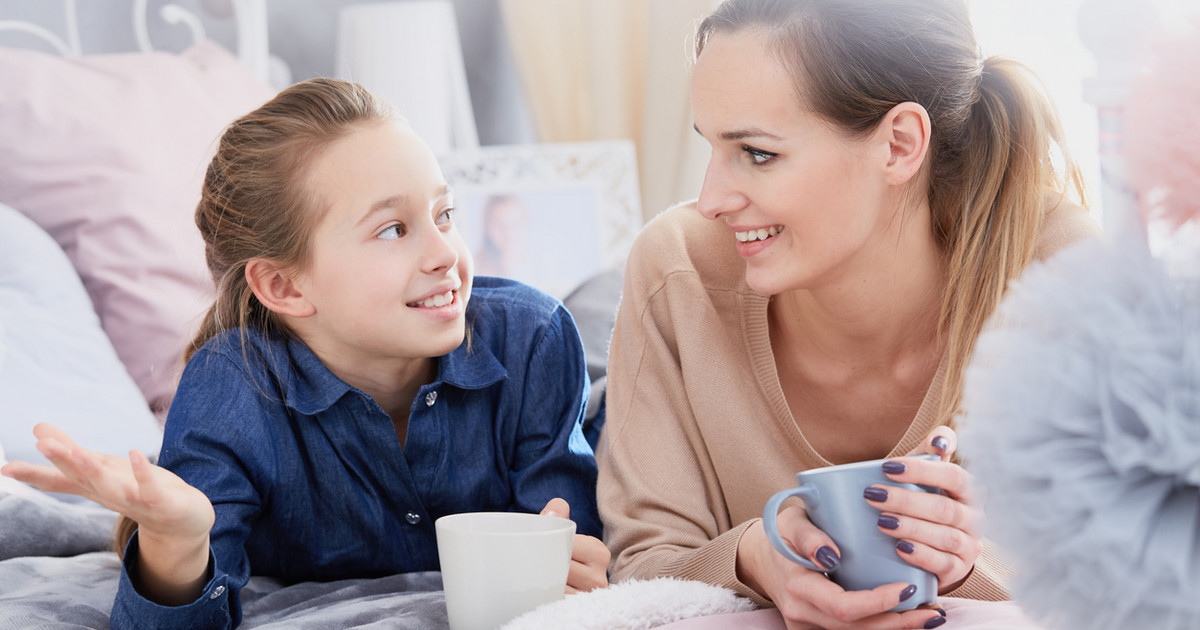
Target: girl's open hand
point(589, 556)
point(161, 503)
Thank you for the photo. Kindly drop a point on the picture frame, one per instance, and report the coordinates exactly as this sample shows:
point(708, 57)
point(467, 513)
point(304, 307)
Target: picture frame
point(550, 215)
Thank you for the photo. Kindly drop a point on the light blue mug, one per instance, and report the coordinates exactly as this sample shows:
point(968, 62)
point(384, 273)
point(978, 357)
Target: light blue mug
point(833, 498)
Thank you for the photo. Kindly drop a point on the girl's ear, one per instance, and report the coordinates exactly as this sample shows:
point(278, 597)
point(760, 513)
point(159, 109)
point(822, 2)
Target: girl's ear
point(276, 287)
point(907, 130)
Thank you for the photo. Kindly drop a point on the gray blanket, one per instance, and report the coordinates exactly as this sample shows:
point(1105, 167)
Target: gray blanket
point(54, 574)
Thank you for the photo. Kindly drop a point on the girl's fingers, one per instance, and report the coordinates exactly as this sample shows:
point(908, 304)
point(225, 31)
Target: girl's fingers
point(46, 478)
point(143, 473)
point(557, 507)
point(589, 565)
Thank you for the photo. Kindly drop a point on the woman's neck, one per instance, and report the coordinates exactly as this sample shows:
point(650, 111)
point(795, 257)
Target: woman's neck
point(886, 310)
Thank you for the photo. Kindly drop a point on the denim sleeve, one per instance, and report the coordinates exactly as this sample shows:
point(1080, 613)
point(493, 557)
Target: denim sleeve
point(131, 610)
point(553, 458)
point(211, 443)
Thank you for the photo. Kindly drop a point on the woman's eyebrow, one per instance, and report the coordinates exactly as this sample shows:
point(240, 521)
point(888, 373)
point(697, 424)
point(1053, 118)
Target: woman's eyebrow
point(742, 134)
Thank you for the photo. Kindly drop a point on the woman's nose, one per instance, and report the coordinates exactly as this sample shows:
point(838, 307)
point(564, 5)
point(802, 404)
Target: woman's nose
point(718, 194)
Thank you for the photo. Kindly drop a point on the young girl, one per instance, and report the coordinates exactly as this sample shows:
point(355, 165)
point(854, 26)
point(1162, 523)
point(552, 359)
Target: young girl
point(352, 382)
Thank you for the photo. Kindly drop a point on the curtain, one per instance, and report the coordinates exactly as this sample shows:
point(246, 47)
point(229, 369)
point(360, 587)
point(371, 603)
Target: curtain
point(615, 69)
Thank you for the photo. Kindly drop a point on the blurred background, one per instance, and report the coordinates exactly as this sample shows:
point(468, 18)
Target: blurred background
point(503, 72)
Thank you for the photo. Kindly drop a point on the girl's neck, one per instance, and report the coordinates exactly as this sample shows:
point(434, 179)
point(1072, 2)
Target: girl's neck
point(391, 383)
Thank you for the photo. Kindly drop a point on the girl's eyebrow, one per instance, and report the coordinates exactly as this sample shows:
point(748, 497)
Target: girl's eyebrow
point(397, 201)
point(743, 134)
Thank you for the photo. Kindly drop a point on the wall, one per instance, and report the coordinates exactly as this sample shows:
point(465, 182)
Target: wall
point(303, 35)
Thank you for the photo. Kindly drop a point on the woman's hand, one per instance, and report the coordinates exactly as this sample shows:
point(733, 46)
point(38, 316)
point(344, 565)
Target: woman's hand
point(939, 533)
point(174, 519)
point(589, 556)
point(808, 600)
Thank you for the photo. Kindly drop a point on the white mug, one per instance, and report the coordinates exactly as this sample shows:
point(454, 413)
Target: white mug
point(497, 565)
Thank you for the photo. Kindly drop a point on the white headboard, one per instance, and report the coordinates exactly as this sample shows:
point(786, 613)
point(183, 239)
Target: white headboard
point(250, 17)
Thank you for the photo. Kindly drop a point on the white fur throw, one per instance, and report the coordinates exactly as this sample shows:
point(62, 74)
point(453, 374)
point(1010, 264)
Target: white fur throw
point(633, 605)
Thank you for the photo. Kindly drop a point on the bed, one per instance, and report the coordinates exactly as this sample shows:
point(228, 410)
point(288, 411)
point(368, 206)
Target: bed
point(102, 283)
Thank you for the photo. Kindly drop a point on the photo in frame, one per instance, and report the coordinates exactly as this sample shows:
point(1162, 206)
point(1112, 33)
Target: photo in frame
point(551, 215)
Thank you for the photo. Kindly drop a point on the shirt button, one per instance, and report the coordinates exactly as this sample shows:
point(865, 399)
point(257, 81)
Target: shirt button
point(413, 518)
point(217, 592)
point(430, 398)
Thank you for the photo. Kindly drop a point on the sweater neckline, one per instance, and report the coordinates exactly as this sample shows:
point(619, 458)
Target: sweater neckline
point(757, 339)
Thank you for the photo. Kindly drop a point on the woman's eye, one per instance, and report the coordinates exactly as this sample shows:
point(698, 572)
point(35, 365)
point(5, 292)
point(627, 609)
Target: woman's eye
point(392, 232)
point(757, 156)
point(446, 216)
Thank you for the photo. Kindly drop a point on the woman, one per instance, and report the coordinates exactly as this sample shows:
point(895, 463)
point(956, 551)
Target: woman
point(872, 189)
point(352, 382)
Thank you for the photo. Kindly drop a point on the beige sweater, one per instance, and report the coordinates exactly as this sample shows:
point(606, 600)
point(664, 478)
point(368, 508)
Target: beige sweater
point(699, 434)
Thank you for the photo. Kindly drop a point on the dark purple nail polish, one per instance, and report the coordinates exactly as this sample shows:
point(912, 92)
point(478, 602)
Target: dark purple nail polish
point(894, 468)
point(827, 557)
point(905, 546)
point(888, 522)
point(935, 622)
point(941, 611)
point(875, 494)
point(908, 591)
point(940, 443)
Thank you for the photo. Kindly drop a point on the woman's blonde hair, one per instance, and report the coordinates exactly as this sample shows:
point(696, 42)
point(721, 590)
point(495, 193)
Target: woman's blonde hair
point(993, 132)
point(255, 202)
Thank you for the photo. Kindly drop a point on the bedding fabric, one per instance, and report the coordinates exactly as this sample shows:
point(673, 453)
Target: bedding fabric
point(38, 590)
point(107, 153)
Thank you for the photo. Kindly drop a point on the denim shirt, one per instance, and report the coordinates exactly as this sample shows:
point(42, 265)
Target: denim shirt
point(310, 483)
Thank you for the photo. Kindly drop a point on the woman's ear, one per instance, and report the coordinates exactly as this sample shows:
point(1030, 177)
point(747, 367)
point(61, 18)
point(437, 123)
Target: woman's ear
point(907, 130)
point(275, 286)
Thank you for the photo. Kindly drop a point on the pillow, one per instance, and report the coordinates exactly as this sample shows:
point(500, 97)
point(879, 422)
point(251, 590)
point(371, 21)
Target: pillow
point(59, 366)
point(107, 154)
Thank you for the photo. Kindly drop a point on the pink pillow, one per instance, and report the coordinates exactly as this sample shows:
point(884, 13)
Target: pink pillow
point(107, 154)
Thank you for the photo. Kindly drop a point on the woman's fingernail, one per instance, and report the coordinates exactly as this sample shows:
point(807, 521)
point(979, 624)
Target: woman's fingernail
point(827, 557)
point(940, 443)
point(905, 546)
point(941, 611)
point(894, 468)
point(875, 494)
point(889, 522)
point(935, 622)
point(908, 591)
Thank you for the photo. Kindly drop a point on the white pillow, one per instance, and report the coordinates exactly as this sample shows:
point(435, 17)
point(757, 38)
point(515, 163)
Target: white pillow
point(58, 365)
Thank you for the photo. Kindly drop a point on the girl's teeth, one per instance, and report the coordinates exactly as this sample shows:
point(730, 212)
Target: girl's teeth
point(438, 300)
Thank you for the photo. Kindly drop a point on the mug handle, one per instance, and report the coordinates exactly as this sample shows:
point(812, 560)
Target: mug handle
point(771, 513)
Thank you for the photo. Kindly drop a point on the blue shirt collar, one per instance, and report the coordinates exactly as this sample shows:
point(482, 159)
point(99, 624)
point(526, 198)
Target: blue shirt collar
point(311, 388)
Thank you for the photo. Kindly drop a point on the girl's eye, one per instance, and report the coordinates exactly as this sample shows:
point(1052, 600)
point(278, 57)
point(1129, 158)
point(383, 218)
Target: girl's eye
point(392, 232)
point(757, 156)
point(446, 217)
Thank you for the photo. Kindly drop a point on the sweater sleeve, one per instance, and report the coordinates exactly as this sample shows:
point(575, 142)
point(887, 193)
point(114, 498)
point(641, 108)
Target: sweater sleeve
point(662, 510)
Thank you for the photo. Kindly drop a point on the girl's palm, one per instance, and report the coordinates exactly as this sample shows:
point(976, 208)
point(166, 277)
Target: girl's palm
point(155, 497)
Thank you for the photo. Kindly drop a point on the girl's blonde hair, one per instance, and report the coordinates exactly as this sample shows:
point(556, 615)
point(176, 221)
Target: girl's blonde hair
point(993, 132)
point(255, 202)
